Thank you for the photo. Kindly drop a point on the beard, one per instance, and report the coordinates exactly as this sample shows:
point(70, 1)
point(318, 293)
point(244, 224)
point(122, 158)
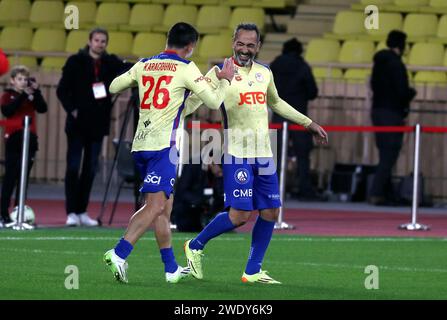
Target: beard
point(244, 60)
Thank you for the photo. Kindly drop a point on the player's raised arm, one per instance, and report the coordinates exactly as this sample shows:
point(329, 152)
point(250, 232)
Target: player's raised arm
point(203, 93)
point(124, 81)
point(285, 110)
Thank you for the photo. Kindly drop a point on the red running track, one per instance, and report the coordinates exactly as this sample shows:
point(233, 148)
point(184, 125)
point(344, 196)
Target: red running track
point(306, 221)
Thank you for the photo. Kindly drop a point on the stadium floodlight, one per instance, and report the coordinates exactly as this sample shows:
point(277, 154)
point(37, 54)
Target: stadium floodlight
point(413, 225)
point(280, 224)
point(20, 224)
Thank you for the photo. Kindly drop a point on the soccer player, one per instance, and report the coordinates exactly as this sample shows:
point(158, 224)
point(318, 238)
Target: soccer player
point(249, 183)
point(164, 82)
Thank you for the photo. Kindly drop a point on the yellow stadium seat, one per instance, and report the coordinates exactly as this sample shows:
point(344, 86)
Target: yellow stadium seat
point(426, 54)
point(30, 62)
point(356, 51)
point(327, 73)
point(357, 75)
point(445, 59)
point(251, 15)
point(348, 25)
point(441, 34)
point(237, 3)
point(76, 40)
point(148, 44)
point(187, 13)
point(48, 40)
point(87, 13)
point(322, 50)
point(14, 12)
point(139, 20)
point(134, 1)
point(363, 3)
point(435, 6)
point(387, 21)
point(212, 19)
point(274, 4)
point(120, 43)
point(53, 63)
point(111, 15)
point(202, 2)
point(46, 13)
point(431, 77)
point(169, 1)
point(420, 26)
point(16, 38)
point(406, 5)
point(213, 47)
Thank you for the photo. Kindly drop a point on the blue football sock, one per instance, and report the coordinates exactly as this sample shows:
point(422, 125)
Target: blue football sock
point(220, 224)
point(123, 248)
point(260, 239)
point(167, 256)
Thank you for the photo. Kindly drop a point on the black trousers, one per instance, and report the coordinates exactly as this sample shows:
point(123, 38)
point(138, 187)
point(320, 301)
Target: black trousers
point(389, 145)
point(82, 164)
point(13, 165)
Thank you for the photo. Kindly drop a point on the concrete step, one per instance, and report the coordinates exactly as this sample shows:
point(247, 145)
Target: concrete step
point(314, 17)
point(331, 2)
point(305, 8)
point(309, 27)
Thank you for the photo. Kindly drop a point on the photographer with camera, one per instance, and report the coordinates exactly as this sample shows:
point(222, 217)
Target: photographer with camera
point(22, 98)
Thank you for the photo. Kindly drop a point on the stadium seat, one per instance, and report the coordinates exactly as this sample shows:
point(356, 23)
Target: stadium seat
point(213, 47)
point(172, 14)
point(356, 51)
point(53, 63)
point(274, 4)
point(169, 1)
point(30, 62)
point(441, 34)
point(16, 38)
point(139, 17)
point(48, 40)
point(111, 15)
point(14, 12)
point(76, 40)
point(363, 3)
point(87, 13)
point(431, 77)
point(237, 3)
point(212, 19)
point(435, 6)
point(147, 44)
point(426, 54)
point(253, 15)
point(120, 43)
point(320, 51)
point(387, 21)
point(45, 13)
point(357, 75)
point(348, 25)
point(406, 6)
point(420, 26)
point(202, 2)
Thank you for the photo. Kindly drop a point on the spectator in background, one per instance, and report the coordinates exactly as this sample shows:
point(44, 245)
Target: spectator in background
point(390, 106)
point(22, 99)
point(296, 85)
point(84, 93)
point(4, 63)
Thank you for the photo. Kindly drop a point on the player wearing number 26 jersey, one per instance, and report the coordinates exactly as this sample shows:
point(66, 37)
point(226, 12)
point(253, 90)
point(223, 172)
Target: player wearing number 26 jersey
point(164, 81)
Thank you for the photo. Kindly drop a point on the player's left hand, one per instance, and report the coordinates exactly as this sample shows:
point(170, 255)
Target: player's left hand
point(319, 133)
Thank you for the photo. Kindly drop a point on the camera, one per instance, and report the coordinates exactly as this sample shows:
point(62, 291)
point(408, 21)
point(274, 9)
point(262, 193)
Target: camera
point(30, 81)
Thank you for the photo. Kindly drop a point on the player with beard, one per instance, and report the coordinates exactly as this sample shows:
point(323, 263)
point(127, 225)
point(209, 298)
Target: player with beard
point(250, 178)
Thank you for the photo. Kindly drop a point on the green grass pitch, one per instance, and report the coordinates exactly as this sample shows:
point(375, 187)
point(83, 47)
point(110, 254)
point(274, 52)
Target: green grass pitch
point(34, 264)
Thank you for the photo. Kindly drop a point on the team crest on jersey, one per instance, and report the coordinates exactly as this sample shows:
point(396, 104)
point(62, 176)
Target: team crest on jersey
point(259, 77)
point(242, 176)
point(238, 78)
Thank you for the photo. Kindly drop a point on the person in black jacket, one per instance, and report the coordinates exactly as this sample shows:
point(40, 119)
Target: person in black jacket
point(390, 106)
point(22, 99)
point(296, 85)
point(84, 93)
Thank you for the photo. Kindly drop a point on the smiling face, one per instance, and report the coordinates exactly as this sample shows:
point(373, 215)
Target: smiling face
point(245, 46)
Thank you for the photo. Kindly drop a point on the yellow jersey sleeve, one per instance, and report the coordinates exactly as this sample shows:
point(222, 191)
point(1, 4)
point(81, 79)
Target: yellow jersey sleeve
point(126, 80)
point(282, 108)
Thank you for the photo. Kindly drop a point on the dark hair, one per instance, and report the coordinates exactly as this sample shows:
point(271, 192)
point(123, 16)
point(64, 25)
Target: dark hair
point(182, 34)
point(247, 27)
point(292, 46)
point(396, 39)
point(19, 69)
point(98, 30)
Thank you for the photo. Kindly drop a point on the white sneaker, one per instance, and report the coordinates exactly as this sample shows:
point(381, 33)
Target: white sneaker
point(179, 274)
point(73, 220)
point(87, 221)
